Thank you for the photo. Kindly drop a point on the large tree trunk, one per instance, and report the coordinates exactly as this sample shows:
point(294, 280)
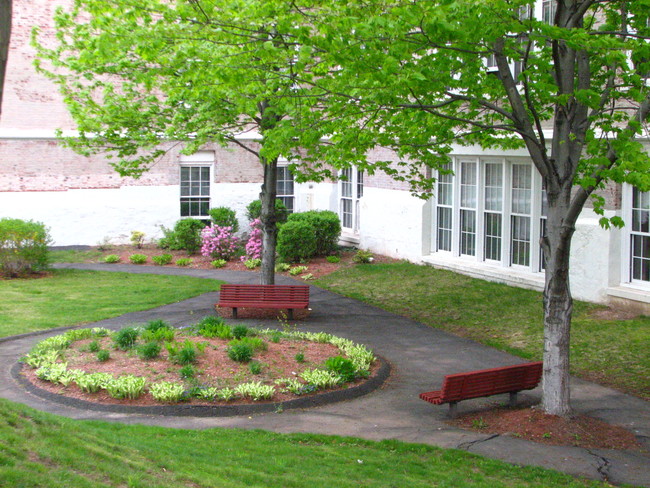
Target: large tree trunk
point(269, 221)
point(5, 34)
point(558, 307)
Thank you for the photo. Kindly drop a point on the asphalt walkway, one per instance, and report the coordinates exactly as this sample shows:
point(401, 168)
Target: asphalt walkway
point(419, 356)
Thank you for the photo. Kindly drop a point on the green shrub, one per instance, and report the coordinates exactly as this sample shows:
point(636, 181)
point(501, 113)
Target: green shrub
point(254, 210)
point(242, 353)
point(282, 267)
point(157, 324)
point(333, 259)
point(296, 241)
point(255, 342)
point(341, 366)
point(23, 247)
point(188, 371)
point(224, 217)
point(112, 259)
point(255, 367)
point(212, 326)
point(137, 238)
point(103, 355)
point(186, 235)
point(184, 262)
point(162, 260)
point(363, 257)
point(253, 263)
point(125, 338)
point(239, 331)
point(150, 350)
point(94, 346)
point(138, 258)
point(219, 263)
point(300, 357)
point(327, 228)
point(186, 355)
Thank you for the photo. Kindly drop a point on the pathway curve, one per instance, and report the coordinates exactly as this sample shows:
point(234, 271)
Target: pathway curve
point(420, 357)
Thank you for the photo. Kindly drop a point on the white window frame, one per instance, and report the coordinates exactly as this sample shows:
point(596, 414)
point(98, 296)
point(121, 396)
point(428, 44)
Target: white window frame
point(628, 234)
point(350, 188)
point(201, 160)
point(288, 198)
point(535, 227)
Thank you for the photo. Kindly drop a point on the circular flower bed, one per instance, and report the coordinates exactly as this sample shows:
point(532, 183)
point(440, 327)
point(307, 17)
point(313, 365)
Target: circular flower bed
point(209, 363)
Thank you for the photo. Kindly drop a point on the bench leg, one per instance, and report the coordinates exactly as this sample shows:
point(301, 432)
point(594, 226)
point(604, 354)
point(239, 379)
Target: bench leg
point(234, 312)
point(290, 310)
point(453, 410)
point(513, 399)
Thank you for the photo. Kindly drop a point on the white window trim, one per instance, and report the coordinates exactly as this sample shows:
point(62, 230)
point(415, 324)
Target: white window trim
point(626, 237)
point(356, 202)
point(202, 159)
point(283, 163)
point(505, 262)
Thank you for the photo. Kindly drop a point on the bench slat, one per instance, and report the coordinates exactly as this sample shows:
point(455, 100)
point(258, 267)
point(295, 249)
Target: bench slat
point(264, 296)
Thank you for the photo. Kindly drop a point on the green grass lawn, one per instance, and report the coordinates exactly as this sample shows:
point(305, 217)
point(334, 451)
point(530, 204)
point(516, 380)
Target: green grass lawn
point(43, 450)
point(613, 352)
point(70, 297)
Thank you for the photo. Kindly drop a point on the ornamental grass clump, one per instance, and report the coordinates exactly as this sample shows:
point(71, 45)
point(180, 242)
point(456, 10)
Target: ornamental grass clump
point(212, 326)
point(219, 242)
point(241, 353)
point(148, 351)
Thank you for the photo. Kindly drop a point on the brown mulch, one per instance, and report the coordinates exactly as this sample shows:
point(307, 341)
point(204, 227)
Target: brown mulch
point(534, 425)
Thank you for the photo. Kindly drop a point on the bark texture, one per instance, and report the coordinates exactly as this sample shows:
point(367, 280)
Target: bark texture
point(5, 34)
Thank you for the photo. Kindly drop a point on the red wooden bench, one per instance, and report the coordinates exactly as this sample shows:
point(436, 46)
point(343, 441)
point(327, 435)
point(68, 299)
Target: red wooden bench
point(264, 296)
point(485, 382)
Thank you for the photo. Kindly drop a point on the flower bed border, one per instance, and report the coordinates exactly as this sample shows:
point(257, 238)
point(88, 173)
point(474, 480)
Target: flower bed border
point(185, 410)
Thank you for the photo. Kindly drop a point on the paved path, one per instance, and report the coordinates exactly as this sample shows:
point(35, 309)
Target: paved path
point(420, 357)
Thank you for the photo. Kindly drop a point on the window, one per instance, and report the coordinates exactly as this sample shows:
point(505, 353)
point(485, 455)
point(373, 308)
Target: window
point(549, 8)
point(640, 237)
point(490, 210)
point(350, 191)
point(284, 187)
point(195, 191)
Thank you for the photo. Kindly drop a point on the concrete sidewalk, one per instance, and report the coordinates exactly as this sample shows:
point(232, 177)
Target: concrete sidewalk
point(420, 357)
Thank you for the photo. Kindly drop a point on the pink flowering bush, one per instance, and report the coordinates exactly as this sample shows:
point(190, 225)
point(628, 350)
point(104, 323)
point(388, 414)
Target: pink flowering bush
point(254, 244)
point(219, 242)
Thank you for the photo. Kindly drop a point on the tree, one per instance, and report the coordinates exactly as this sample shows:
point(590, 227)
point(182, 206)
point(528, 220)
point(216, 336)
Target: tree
point(571, 88)
point(5, 34)
point(139, 78)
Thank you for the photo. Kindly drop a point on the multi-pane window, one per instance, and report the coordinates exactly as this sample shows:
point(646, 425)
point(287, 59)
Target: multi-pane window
point(520, 214)
point(444, 209)
point(468, 194)
point(284, 187)
point(493, 210)
point(195, 191)
point(549, 7)
point(489, 209)
point(640, 237)
point(351, 190)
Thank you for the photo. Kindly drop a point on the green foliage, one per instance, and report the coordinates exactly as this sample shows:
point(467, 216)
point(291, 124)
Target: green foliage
point(167, 392)
point(326, 227)
point(296, 241)
point(240, 352)
point(127, 386)
point(224, 217)
point(112, 259)
point(92, 382)
point(253, 263)
point(296, 270)
point(103, 355)
point(300, 357)
point(257, 343)
point(240, 331)
point(184, 262)
point(341, 366)
point(187, 354)
point(219, 263)
point(23, 247)
point(282, 267)
point(213, 326)
point(254, 210)
point(138, 258)
point(188, 371)
point(94, 346)
point(186, 235)
point(137, 238)
point(320, 378)
point(255, 367)
point(125, 338)
point(255, 390)
point(363, 257)
point(149, 350)
point(163, 259)
point(156, 325)
point(226, 394)
point(333, 259)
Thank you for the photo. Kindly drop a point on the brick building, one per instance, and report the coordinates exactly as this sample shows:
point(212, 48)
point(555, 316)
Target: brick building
point(493, 235)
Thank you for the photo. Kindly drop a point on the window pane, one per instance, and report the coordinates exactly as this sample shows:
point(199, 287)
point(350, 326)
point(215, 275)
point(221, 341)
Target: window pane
point(641, 258)
point(444, 229)
point(346, 213)
point(493, 236)
point(205, 173)
point(185, 174)
point(185, 208)
point(493, 187)
point(520, 240)
point(195, 173)
point(468, 232)
point(468, 185)
point(521, 188)
point(360, 184)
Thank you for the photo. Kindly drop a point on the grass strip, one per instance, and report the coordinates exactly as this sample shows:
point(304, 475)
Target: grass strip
point(612, 352)
point(44, 450)
point(71, 297)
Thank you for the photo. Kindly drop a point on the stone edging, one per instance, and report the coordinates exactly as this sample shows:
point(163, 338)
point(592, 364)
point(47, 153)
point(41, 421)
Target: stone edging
point(180, 410)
